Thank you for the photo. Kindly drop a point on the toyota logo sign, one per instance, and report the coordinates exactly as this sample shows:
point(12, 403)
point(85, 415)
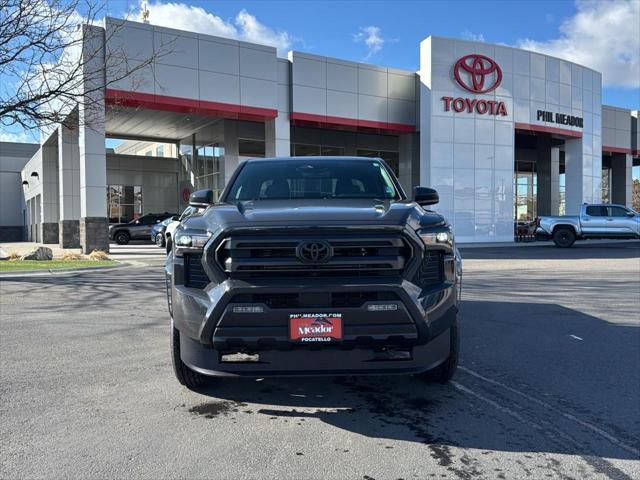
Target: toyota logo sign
point(477, 73)
point(314, 252)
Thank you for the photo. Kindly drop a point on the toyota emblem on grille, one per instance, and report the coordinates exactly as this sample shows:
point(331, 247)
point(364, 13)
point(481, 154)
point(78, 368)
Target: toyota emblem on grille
point(314, 251)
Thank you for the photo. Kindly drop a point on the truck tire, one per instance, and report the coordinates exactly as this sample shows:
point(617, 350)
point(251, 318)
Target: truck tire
point(122, 238)
point(564, 237)
point(445, 371)
point(187, 377)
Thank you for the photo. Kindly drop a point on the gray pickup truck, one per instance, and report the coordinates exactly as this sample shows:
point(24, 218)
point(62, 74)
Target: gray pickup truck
point(594, 221)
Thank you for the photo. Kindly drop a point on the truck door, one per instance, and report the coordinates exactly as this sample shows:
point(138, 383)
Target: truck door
point(621, 223)
point(594, 221)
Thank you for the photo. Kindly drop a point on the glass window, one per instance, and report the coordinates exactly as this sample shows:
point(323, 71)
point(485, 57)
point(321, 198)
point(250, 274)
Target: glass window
point(207, 169)
point(597, 211)
point(148, 219)
point(526, 190)
point(332, 151)
point(160, 151)
point(618, 212)
point(124, 203)
point(300, 179)
point(251, 148)
point(301, 150)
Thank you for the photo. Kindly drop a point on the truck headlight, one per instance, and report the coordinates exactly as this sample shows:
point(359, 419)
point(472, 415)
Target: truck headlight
point(190, 240)
point(437, 237)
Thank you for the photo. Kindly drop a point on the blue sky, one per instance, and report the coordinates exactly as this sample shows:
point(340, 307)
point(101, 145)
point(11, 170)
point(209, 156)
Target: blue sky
point(389, 32)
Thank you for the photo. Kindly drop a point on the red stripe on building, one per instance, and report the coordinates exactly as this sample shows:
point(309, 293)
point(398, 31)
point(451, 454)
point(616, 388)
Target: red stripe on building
point(606, 148)
point(127, 99)
point(543, 129)
point(343, 123)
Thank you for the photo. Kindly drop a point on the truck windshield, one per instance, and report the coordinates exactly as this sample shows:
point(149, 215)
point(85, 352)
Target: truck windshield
point(312, 179)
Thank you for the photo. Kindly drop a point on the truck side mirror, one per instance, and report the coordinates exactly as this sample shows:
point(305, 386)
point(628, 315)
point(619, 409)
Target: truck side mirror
point(425, 196)
point(201, 198)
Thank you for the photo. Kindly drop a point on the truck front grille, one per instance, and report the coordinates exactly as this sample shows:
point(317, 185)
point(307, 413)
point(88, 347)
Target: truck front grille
point(372, 254)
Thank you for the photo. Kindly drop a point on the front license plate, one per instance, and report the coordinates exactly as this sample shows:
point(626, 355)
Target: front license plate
point(315, 327)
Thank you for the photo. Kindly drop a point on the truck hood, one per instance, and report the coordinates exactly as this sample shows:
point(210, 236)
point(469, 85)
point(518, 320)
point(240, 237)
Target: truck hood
point(342, 212)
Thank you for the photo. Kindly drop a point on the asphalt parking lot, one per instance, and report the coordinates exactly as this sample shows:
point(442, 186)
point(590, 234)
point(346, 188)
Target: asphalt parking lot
point(549, 385)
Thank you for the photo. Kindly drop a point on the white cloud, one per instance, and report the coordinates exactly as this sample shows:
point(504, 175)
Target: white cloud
point(474, 37)
point(196, 19)
point(371, 36)
point(19, 137)
point(602, 35)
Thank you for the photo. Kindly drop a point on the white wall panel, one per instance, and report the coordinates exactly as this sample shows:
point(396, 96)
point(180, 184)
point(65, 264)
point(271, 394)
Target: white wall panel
point(342, 77)
point(372, 108)
point(309, 100)
point(176, 50)
point(219, 87)
point(310, 72)
point(341, 104)
point(258, 64)
point(401, 111)
point(372, 82)
point(401, 86)
point(258, 93)
point(176, 81)
point(218, 57)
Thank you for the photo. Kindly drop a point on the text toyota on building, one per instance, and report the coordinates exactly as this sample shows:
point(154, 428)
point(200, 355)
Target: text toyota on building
point(503, 134)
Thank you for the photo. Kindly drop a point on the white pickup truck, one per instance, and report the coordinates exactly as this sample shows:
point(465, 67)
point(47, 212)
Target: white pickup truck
point(594, 221)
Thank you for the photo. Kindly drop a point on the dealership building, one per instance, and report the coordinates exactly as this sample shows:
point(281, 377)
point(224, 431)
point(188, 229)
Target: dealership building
point(503, 134)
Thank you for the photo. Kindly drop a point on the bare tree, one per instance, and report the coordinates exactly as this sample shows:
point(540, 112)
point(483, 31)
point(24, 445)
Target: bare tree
point(52, 60)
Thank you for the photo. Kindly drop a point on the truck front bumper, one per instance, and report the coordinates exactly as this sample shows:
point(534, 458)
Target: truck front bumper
point(218, 339)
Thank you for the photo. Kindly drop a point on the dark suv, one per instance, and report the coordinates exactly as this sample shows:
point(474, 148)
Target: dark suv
point(136, 229)
point(313, 266)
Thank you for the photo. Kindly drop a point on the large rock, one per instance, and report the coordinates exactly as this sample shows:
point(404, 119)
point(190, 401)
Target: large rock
point(4, 255)
point(40, 253)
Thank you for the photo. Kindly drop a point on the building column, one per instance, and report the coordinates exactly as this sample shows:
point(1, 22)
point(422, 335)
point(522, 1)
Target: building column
point(622, 179)
point(69, 185)
point(548, 171)
point(277, 131)
point(575, 184)
point(277, 136)
point(231, 150)
point(94, 224)
point(50, 190)
point(409, 161)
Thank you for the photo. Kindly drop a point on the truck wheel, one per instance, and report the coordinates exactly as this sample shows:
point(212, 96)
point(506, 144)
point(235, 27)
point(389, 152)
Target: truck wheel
point(445, 371)
point(160, 240)
point(564, 237)
point(122, 238)
point(184, 374)
point(168, 245)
